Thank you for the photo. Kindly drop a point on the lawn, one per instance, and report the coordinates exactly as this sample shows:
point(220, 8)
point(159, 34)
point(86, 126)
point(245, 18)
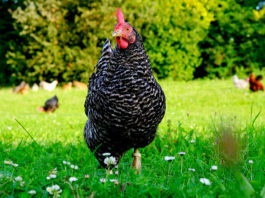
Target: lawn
point(211, 121)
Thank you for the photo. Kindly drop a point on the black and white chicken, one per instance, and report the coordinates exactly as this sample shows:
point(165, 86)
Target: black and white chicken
point(124, 104)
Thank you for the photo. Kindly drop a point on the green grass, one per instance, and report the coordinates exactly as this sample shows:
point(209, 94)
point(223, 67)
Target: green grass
point(197, 110)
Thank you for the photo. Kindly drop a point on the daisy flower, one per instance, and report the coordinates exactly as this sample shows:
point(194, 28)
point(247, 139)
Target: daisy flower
point(18, 178)
point(214, 167)
point(250, 162)
point(8, 162)
point(32, 192)
point(72, 179)
point(191, 169)
point(115, 181)
point(168, 158)
point(54, 190)
point(52, 176)
point(181, 153)
point(205, 181)
point(103, 180)
point(110, 161)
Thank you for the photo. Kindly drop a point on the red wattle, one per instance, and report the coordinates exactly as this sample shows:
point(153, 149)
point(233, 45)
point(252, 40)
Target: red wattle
point(123, 43)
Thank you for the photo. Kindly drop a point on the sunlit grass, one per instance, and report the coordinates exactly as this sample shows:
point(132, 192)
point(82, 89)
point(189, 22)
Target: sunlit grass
point(191, 125)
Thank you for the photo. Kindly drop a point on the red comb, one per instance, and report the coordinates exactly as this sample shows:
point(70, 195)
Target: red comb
point(120, 16)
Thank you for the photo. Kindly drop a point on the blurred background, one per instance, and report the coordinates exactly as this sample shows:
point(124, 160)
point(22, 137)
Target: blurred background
point(185, 39)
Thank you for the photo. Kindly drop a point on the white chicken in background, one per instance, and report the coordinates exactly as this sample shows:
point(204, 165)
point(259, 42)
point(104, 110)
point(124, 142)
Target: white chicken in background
point(48, 86)
point(240, 83)
point(35, 87)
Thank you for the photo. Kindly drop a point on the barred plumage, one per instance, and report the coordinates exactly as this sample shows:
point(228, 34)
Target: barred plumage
point(124, 104)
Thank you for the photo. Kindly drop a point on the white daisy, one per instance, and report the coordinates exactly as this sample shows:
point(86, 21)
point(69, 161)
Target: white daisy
point(76, 167)
point(181, 153)
point(250, 162)
point(106, 154)
point(205, 181)
point(192, 141)
point(214, 167)
point(9, 128)
point(15, 165)
point(18, 178)
point(103, 180)
point(54, 190)
point(115, 181)
point(191, 169)
point(49, 190)
point(72, 179)
point(169, 158)
point(8, 162)
point(56, 187)
point(32, 192)
point(110, 161)
point(52, 176)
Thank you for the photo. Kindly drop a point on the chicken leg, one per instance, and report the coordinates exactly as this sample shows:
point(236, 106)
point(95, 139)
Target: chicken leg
point(137, 160)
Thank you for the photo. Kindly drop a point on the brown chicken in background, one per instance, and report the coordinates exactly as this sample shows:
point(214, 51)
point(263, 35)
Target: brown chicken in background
point(67, 86)
point(22, 88)
point(80, 85)
point(255, 83)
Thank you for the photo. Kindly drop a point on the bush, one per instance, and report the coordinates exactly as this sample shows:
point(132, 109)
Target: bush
point(63, 39)
point(235, 41)
point(173, 36)
point(53, 49)
point(8, 36)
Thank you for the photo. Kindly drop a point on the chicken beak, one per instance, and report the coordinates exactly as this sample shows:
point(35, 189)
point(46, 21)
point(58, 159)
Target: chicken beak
point(116, 33)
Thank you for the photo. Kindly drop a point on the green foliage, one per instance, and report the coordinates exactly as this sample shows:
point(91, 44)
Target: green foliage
point(235, 41)
point(8, 36)
point(53, 49)
point(173, 35)
point(189, 116)
point(63, 39)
